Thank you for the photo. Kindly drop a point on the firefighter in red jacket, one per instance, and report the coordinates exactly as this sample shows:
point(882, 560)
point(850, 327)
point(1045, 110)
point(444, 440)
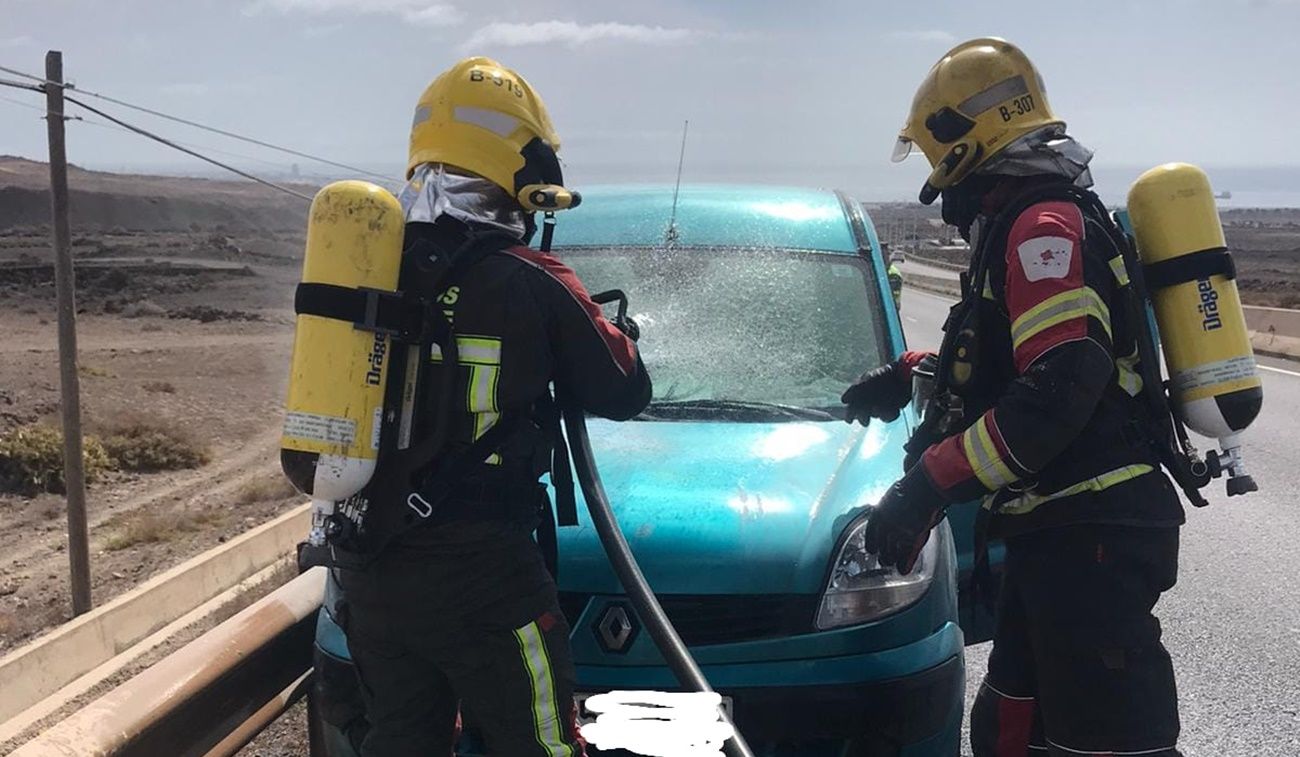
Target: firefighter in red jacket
point(458, 611)
point(1038, 414)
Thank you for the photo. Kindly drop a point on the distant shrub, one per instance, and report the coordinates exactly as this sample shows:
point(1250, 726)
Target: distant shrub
point(143, 308)
point(163, 387)
point(31, 460)
point(152, 528)
point(265, 489)
point(147, 447)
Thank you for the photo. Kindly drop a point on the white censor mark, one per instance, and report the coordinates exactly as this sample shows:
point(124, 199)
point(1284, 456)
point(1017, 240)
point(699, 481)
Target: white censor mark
point(658, 723)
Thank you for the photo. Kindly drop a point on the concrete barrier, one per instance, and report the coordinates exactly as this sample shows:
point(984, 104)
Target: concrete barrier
point(33, 672)
point(1274, 331)
point(210, 696)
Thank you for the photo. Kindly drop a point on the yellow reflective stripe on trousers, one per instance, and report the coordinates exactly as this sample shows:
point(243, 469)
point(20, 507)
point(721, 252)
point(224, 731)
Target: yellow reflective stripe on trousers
point(982, 454)
point(1058, 309)
point(547, 723)
point(1027, 502)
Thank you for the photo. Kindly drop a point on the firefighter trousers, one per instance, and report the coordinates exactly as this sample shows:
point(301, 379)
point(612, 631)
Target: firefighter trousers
point(1077, 666)
point(477, 634)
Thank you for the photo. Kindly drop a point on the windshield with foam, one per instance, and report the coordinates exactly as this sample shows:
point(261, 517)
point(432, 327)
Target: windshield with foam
point(792, 328)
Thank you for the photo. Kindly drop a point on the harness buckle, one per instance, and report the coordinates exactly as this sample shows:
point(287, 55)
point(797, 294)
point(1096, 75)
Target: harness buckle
point(423, 509)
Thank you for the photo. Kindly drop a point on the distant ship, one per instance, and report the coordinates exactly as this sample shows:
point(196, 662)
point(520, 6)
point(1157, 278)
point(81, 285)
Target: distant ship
point(1224, 195)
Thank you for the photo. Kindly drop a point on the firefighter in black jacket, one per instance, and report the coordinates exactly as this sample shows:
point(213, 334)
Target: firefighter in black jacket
point(460, 612)
point(1039, 416)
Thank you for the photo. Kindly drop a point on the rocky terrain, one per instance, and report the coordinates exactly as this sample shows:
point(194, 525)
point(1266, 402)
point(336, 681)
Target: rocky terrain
point(1265, 245)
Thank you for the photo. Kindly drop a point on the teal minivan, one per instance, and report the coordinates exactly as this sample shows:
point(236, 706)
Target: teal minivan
point(741, 490)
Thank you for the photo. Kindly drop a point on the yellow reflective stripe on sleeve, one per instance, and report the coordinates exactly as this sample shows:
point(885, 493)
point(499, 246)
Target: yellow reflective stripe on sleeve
point(482, 356)
point(472, 350)
point(1128, 377)
point(983, 456)
point(1029, 501)
point(477, 350)
point(482, 422)
point(1058, 309)
point(1118, 270)
point(482, 388)
point(547, 723)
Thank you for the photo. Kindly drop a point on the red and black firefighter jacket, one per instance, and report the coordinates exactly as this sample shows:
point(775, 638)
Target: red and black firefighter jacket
point(1052, 426)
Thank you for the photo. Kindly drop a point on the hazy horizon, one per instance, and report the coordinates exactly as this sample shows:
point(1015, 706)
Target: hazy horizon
point(809, 95)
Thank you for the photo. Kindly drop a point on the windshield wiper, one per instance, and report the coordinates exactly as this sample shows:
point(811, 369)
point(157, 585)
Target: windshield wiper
point(733, 409)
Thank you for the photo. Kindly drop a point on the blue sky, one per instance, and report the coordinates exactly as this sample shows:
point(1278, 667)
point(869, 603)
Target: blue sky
point(808, 92)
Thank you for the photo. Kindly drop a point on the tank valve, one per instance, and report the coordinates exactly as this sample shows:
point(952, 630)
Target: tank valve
point(1230, 461)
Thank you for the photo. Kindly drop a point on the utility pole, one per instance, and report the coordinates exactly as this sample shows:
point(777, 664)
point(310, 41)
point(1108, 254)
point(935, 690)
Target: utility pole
point(74, 475)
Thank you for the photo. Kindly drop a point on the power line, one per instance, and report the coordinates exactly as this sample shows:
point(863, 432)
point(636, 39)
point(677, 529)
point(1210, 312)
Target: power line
point(204, 127)
point(186, 150)
point(115, 127)
point(20, 85)
point(33, 77)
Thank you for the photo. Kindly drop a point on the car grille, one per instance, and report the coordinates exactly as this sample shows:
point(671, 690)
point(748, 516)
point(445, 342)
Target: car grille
point(723, 618)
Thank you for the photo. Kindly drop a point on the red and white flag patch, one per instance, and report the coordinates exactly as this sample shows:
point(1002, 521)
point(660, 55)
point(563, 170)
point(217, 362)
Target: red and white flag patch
point(1046, 257)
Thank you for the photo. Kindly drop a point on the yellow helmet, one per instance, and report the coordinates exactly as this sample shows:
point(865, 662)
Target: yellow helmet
point(981, 96)
point(482, 117)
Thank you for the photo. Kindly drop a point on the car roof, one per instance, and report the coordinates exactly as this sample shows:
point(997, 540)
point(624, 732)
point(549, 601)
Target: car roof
point(708, 215)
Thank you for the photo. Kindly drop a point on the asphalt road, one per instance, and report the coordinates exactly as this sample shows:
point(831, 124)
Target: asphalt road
point(1232, 624)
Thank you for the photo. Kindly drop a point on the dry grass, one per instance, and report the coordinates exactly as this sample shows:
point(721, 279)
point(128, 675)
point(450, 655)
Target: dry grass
point(31, 460)
point(94, 371)
point(148, 446)
point(153, 528)
point(265, 489)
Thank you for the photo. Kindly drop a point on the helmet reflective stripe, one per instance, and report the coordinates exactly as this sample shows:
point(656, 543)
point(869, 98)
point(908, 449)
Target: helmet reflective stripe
point(991, 97)
point(498, 123)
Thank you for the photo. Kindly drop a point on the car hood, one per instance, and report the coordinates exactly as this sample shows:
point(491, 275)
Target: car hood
point(729, 508)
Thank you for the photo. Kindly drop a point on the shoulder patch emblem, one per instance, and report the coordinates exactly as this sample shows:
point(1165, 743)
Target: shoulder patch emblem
point(1046, 257)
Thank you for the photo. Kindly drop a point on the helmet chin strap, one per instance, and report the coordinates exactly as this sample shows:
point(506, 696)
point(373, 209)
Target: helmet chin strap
point(548, 229)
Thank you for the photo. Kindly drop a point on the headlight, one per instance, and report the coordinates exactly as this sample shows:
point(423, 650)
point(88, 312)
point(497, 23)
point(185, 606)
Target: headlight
point(860, 591)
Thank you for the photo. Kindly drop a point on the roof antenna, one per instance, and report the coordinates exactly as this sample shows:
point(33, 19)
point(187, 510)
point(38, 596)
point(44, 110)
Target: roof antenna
point(670, 237)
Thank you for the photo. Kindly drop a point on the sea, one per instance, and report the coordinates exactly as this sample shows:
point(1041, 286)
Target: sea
point(1247, 186)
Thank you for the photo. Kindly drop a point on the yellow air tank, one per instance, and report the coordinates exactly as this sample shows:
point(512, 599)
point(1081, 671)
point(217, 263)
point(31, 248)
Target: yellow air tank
point(336, 384)
point(1214, 386)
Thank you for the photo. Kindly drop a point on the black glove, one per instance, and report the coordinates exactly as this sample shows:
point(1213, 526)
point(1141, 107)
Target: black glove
point(900, 524)
point(880, 393)
point(628, 326)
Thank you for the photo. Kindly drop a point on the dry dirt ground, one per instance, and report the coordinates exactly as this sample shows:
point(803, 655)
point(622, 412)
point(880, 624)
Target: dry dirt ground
point(1265, 244)
point(186, 329)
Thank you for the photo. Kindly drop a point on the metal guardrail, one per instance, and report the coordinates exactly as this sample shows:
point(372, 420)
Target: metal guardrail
point(209, 698)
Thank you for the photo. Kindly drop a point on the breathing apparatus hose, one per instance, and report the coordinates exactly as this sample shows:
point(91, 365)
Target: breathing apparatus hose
point(629, 573)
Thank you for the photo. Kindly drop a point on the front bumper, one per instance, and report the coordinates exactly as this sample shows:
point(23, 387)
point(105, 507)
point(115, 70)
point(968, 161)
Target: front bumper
point(898, 712)
point(888, 698)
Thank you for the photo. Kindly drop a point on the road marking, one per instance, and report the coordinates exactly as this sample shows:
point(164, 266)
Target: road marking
point(909, 319)
point(1279, 370)
point(931, 295)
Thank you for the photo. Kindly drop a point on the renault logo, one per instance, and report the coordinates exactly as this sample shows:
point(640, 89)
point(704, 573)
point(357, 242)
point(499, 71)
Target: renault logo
point(616, 628)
